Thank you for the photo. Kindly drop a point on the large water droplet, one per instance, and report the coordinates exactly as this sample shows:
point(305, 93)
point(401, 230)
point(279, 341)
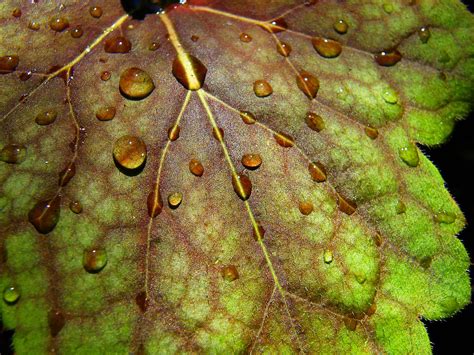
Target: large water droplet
point(308, 84)
point(242, 186)
point(8, 63)
point(58, 23)
point(11, 295)
point(424, 34)
point(196, 168)
point(327, 48)
point(45, 215)
point(136, 84)
point(96, 11)
point(315, 121)
point(248, 117)
point(130, 152)
point(341, 27)
point(67, 174)
point(189, 71)
point(13, 154)
point(284, 48)
point(105, 113)
point(284, 140)
point(317, 171)
point(173, 133)
point(345, 205)
point(388, 58)
point(262, 88)
point(175, 199)
point(94, 260)
point(230, 273)
point(118, 44)
point(251, 161)
point(306, 207)
point(409, 155)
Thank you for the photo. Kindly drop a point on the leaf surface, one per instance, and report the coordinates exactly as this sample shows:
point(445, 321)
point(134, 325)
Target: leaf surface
point(312, 223)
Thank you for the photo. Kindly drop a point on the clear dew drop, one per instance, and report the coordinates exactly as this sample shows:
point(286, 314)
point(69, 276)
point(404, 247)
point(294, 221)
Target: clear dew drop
point(13, 154)
point(424, 34)
point(75, 207)
point(58, 23)
point(327, 48)
point(284, 48)
point(306, 207)
point(196, 168)
point(445, 217)
point(317, 171)
point(136, 84)
point(284, 140)
point(11, 295)
point(242, 186)
point(251, 161)
point(345, 205)
point(308, 84)
point(130, 152)
point(105, 113)
point(262, 88)
point(189, 71)
point(327, 256)
point(315, 121)
point(173, 133)
point(175, 199)
point(230, 273)
point(409, 155)
point(96, 11)
point(388, 58)
point(94, 260)
point(371, 132)
point(341, 26)
point(245, 37)
point(44, 215)
point(8, 63)
point(67, 174)
point(118, 44)
point(248, 117)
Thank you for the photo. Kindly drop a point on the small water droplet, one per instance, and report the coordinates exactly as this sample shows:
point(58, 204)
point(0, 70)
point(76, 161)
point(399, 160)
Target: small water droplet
point(284, 48)
point(136, 84)
point(245, 37)
point(341, 27)
point(118, 44)
point(26, 75)
point(388, 58)
point(345, 205)
point(77, 32)
point(16, 12)
point(424, 34)
point(350, 323)
point(194, 38)
point(275, 26)
point(189, 71)
point(317, 171)
point(175, 199)
point(390, 96)
point(308, 84)
point(284, 140)
point(105, 75)
point(315, 121)
point(445, 217)
point(327, 256)
point(94, 260)
point(105, 113)
point(248, 117)
point(154, 202)
point(34, 25)
point(96, 11)
point(173, 133)
point(218, 133)
point(67, 174)
point(11, 295)
point(13, 154)
point(8, 63)
point(154, 46)
point(251, 161)
point(75, 207)
point(230, 273)
point(58, 23)
point(45, 215)
point(306, 207)
point(142, 301)
point(262, 88)
point(326, 48)
point(130, 152)
point(409, 155)
point(242, 186)
point(371, 132)
point(46, 118)
point(258, 232)
point(56, 322)
point(196, 168)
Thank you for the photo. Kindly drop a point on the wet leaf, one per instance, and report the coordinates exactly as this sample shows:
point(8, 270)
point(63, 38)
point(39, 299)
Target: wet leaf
point(234, 176)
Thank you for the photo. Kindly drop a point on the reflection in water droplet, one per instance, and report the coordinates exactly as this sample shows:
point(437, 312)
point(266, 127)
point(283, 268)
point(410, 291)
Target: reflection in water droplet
point(94, 260)
point(45, 215)
point(259, 232)
point(75, 207)
point(58, 24)
point(341, 27)
point(327, 48)
point(173, 133)
point(345, 205)
point(8, 63)
point(175, 199)
point(117, 44)
point(67, 174)
point(242, 186)
point(154, 202)
point(315, 121)
point(371, 132)
point(409, 155)
point(230, 273)
point(262, 88)
point(308, 84)
point(105, 113)
point(247, 117)
point(245, 37)
point(317, 171)
point(306, 207)
point(284, 140)
point(56, 322)
point(284, 48)
point(252, 161)
point(130, 152)
point(388, 58)
point(327, 256)
point(95, 11)
point(11, 295)
point(189, 71)
point(77, 32)
point(136, 84)
point(424, 34)
point(196, 168)
point(445, 217)
point(13, 154)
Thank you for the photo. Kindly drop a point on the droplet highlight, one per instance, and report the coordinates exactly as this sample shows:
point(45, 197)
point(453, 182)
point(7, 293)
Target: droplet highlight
point(8, 63)
point(245, 37)
point(341, 27)
point(173, 133)
point(424, 34)
point(75, 207)
point(96, 11)
point(67, 174)
point(328, 256)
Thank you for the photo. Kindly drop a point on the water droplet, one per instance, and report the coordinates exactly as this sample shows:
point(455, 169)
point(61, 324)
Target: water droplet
point(306, 207)
point(401, 207)
point(390, 96)
point(252, 161)
point(424, 34)
point(308, 84)
point(327, 256)
point(194, 38)
point(230, 273)
point(350, 323)
point(327, 48)
point(372, 309)
point(345, 205)
point(284, 140)
point(371, 132)
point(77, 32)
point(118, 44)
point(258, 232)
point(75, 207)
point(130, 152)
point(242, 186)
point(94, 260)
point(218, 133)
point(173, 133)
point(142, 301)
point(284, 48)
point(11, 295)
point(67, 174)
point(262, 88)
point(196, 168)
point(154, 202)
point(248, 117)
point(16, 12)
point(154, 46)
point(445, 217)
point(341, 27)
point(56, 322)
point(378, 239)
point(105, 113)
point(317, 171)
point(136, 84)
point(8, 63)
point(189, 71)
point(26, 75)
point(388, 58)
point(45, 215)
point(34, 25)
point(245, 37)
point(315, 121)
point(13, 154)
point(409, 155)
point(96, 11)
point(175, 199)
point(275, 26)
point(58, 24)
point(105, 75)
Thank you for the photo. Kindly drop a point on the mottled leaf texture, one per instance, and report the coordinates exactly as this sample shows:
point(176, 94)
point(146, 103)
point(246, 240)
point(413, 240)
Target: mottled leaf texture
point(230, 176)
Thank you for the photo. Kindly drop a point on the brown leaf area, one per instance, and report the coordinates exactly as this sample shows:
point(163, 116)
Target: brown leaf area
point(147, 217)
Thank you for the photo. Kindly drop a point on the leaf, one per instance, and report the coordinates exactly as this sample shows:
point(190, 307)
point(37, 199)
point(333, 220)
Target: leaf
point(139, 216)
